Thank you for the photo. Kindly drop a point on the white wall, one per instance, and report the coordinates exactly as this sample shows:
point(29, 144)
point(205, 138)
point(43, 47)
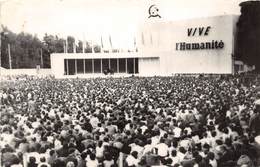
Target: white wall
point(158, 55)
point(161, 37)
point(149, 66)
point(57, 65)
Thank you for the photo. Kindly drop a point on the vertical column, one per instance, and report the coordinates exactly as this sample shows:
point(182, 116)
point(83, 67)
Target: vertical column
point(84, 66)
point(134, 65)
point(109, 66)
point(67, 64)
point(117, 65)
point(41, 58)
point(1, 158)
point(92, 65)
point(9, 56)
point(101, 66)
point(126, 65)
point(76, 68)
point(0, 47)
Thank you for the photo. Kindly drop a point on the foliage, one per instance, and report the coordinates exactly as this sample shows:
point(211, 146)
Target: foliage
point(28, 51)
point(248, 41)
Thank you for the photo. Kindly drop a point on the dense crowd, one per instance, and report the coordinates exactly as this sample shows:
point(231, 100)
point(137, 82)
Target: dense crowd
point(130, 122)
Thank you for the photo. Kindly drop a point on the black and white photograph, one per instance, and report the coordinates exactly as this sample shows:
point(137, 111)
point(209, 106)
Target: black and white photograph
point(129, 83)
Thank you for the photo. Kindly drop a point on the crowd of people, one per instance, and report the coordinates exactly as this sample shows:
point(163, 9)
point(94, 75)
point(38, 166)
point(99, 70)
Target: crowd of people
point(130, 122)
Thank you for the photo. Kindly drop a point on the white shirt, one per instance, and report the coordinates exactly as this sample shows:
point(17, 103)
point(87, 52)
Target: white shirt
point(94, 122)
point(138, 149)
point(185, 143)
point(213, 163)
point(155, 140)
point(99, 151)
point(7, 138)
point(177, 132)
point(180, 155)
point(144, 128)
point(48, 165)
point(131, 160)
point(17, 165)
point(147, 148)
point(92, 163)
point(162, 149)
point(175, 160)
point(57, 144)
point(108, 163)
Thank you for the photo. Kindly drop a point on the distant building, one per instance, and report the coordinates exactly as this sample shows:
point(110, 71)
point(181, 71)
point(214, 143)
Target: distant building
point(194, 46)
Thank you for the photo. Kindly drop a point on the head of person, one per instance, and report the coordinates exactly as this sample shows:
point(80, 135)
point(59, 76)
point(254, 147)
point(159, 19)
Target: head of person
point(174, 153)
point(70, 164)
point(206, 148)
point(92, 157)
point(210, 156)
point(257, 107)
point(134, 154)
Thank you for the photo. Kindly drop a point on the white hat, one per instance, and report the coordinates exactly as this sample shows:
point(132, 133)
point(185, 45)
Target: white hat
point(257, 102)
point(257, 139)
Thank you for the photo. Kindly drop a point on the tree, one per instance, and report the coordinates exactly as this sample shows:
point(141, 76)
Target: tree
point(248, 35)
point(97, 48)
point(27, 49)
point(71, 42)
point(24, 49)
point(79, 47)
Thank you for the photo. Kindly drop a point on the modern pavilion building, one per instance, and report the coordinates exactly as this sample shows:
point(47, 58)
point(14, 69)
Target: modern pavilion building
point(194, 46)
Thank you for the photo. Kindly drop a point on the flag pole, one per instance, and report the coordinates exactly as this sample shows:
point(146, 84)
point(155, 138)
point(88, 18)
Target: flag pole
point(83, 43)
point(9, 56)
point(102, 46)
point(110, 41)
point(92, 46)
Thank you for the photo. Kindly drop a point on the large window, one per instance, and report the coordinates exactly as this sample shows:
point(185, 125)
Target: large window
point(130, 65)
point(105, 64)
point(80, 66)
point(88, 66)
point(97, 65)
point(65, 67)
point(71, 67)
point(113, 65)
point(136, 66)
point(122, 68)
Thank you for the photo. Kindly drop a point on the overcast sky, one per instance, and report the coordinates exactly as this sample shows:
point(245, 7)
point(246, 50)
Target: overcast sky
point(91, 19)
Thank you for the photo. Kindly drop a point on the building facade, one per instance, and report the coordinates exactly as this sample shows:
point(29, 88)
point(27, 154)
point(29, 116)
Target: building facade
point(194, 46)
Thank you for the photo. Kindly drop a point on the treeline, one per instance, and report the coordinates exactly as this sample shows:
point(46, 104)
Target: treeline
point(248, 34)
point(28, 51)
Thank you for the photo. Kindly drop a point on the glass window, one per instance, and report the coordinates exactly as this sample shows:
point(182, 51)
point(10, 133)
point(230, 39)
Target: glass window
point(130, 65)
point(113, 65)
point(71, 66)
point(97, 65)
point(65, 67)
point(105, 64)
point(122, 65)
point(88, 66)
point(80, 66)
point(136, 66)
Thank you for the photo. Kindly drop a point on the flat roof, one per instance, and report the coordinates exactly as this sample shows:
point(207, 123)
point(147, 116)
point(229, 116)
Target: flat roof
point(102, 55)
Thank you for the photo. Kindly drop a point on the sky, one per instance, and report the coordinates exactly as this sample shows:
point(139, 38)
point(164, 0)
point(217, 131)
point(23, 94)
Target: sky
point(91, 19)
